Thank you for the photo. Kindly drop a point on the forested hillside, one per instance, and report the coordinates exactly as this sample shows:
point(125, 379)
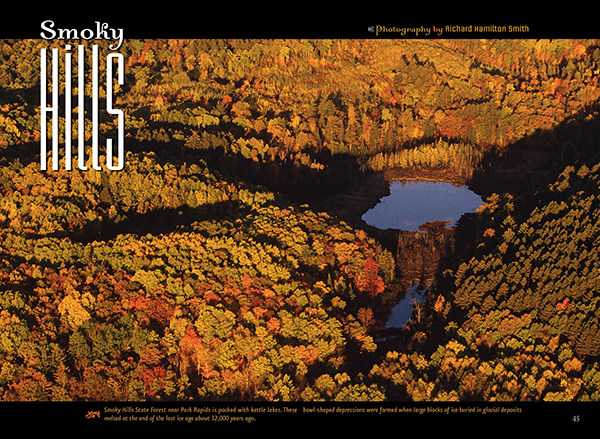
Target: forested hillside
point(519, 320)
point(201, 271)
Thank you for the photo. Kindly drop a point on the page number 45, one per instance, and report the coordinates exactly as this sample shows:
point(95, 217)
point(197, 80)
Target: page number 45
point(575, 418)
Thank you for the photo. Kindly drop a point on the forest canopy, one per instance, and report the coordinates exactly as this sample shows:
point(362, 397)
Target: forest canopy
point(193, 274)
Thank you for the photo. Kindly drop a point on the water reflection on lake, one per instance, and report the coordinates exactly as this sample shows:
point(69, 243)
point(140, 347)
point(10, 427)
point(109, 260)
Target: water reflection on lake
point(415, 202)
point(410, 204)
point(402, 311)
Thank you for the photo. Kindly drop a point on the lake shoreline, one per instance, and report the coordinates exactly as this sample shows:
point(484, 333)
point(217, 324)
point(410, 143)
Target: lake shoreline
point(414, 203)
point(425, 175)
point(366, 191)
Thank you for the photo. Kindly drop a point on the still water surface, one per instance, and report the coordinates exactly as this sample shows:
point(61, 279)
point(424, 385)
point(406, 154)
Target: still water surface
point(402, 311)
point(414, 202)
point(410, 204)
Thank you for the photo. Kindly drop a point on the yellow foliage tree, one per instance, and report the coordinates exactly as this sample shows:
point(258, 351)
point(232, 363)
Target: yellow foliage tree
point(72, 311)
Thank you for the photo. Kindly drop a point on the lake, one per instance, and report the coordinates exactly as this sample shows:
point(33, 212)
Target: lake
point(402, 311)
point(410, 204)
point(415, 202)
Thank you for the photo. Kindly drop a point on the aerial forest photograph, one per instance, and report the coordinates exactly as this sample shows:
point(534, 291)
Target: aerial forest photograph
point(299, 220)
